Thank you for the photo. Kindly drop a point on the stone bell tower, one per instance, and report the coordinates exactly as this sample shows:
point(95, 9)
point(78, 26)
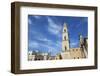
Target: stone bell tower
point(65, 39)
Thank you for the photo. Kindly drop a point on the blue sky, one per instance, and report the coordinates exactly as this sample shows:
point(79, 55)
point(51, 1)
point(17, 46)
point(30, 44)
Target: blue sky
point(45, 32)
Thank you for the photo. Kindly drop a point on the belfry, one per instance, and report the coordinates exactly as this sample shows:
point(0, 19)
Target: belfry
point(65, 38)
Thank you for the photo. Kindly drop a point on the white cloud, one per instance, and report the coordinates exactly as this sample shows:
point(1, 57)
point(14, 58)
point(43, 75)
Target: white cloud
point(33, 32)
point(58, 43)
point(74, 44)
point(53, 27)
point(50, 45)
point(44, 39)
point(33, 44)
point(41, 37)
point(50, 48)
point(29, 21)
point(37, 17)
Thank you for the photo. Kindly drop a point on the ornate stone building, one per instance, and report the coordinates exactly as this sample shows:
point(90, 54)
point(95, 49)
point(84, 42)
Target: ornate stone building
point(72, 53)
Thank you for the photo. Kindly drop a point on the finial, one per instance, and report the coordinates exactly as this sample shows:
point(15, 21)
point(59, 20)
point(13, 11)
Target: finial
point(65, 25)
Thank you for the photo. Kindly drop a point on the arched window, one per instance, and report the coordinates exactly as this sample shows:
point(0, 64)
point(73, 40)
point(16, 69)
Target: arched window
point(64, 30)
point(65, 48)
point(64, 37)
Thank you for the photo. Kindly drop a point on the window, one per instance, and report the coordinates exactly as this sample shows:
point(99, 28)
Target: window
point(65, 48)
point(64, 30)
point(64, 37)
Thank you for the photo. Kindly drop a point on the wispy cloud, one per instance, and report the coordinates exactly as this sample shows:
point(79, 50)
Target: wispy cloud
point(53, 28)
point(29, 21)
point(74, 44)
point(37, 17)
point(44, 39)
point(51, 49)
point(33, 44)
point(47, 47)
point(58, 43)
point(39, 36)
point(44, 42)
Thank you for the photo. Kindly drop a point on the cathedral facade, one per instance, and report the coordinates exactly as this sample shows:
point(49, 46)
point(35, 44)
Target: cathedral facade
point(72, 53)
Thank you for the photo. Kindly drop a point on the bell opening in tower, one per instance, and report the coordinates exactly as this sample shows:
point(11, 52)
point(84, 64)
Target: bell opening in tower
point(64, 37)
point(64, 30)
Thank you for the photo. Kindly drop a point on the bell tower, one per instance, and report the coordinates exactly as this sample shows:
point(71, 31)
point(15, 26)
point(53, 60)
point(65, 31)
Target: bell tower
point(65, 38)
